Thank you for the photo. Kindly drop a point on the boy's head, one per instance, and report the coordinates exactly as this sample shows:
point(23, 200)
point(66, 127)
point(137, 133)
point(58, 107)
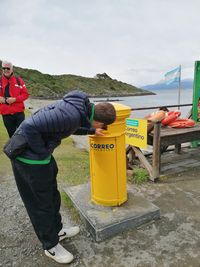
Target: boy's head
point(104, 114)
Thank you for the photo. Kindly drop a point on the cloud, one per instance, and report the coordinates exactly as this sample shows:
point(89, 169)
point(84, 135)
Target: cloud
point(134, 41)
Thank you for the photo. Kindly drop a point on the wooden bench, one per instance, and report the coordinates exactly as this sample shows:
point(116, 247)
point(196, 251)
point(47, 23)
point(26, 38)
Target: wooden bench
point(163, 137)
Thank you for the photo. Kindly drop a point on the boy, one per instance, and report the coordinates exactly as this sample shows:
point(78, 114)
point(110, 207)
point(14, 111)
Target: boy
point(35, 169)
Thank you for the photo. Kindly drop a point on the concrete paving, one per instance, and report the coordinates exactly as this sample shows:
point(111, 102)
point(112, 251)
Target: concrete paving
point(104, 222)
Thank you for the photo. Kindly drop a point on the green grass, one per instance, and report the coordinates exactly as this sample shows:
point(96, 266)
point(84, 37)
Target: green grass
point(139, 176)
point(73, 163)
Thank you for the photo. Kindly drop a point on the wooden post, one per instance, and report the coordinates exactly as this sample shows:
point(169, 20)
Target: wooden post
point(156, 151)
point(130, 156)
point(178, 148)
point(143, 160)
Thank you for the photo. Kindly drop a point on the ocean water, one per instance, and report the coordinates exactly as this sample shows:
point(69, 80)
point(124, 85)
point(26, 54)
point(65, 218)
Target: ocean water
point(163, 97)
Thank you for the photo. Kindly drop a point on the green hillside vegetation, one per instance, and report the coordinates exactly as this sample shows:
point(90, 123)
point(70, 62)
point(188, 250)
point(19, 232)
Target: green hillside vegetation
point(55, 86)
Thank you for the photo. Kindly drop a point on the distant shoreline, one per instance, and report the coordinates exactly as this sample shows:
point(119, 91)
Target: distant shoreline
point(96, 96)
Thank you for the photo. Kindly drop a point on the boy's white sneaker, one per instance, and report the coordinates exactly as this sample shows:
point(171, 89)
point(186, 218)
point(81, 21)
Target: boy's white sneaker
point(68, 232)
point(59, 254)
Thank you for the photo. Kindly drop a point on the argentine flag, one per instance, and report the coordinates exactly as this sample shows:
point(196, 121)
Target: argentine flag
point(173, 75)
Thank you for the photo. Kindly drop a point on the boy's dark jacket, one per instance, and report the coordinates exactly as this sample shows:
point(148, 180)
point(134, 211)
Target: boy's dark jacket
point(45, 129)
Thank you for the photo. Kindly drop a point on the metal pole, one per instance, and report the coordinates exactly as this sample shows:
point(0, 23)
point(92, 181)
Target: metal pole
point(167, 106)
point(179, 88)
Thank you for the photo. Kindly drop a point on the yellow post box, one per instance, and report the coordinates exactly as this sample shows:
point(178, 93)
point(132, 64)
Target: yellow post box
point(108, 162)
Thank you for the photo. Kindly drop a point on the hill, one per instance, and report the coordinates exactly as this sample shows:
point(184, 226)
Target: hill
point(55, 86)
point(185, 84)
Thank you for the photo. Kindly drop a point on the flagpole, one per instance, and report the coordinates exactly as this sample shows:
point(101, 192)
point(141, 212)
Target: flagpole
point(179, 87)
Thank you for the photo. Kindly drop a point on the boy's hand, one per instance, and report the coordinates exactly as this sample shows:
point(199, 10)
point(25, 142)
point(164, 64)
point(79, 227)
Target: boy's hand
point(99, 132)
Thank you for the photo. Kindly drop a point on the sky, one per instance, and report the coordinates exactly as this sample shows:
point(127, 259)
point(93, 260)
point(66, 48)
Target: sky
point(134, 41)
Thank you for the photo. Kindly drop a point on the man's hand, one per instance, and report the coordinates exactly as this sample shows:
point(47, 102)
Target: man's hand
point(99, 132)
point(2, 100)
point(10, 100)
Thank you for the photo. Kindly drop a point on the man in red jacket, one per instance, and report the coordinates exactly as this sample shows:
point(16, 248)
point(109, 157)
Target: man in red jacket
point(13, 93)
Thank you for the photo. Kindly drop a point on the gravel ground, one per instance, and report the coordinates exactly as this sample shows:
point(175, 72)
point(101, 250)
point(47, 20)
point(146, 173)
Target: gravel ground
point(19, 245)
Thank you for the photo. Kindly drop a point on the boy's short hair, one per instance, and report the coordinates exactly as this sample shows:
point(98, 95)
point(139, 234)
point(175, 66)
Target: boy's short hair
point(104, 112)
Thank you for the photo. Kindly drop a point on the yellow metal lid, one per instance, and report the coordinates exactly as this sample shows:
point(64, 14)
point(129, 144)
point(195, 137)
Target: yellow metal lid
point(122, 111)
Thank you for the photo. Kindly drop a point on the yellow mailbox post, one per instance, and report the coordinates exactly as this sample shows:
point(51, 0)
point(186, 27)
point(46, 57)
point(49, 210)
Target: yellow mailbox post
point(108, 162)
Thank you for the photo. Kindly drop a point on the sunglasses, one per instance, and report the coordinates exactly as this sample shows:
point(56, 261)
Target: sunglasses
point(5, 68)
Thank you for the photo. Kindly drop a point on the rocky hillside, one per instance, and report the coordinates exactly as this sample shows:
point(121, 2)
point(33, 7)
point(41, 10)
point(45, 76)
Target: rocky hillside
point(55, 86)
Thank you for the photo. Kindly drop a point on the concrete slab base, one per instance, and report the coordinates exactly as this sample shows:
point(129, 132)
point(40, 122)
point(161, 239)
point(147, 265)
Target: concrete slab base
point(103, 222)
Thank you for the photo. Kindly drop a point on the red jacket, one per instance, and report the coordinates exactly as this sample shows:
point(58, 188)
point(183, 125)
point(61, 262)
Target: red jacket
point(18, 91)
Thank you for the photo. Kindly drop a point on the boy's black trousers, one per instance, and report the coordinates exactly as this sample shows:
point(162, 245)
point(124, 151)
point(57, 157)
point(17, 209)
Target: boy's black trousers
point(37, 186)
